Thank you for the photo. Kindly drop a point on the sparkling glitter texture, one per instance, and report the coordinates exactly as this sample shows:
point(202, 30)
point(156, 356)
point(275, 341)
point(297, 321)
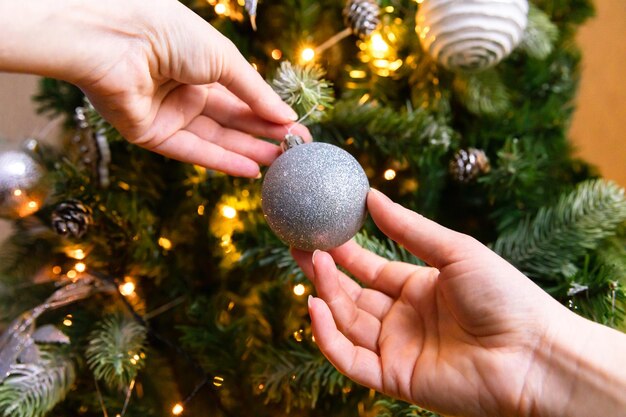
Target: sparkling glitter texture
point(20, 190)
point(314, 196)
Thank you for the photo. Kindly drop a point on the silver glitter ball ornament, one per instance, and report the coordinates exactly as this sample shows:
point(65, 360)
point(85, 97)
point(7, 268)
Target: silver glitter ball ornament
point(21, 190)
point(314, 196)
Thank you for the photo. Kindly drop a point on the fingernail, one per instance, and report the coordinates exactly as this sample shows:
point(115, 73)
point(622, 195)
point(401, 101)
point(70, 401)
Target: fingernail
point(375, 191)
point(308, 301)
point(289, 113)
point(259, 176)
point(313, 257)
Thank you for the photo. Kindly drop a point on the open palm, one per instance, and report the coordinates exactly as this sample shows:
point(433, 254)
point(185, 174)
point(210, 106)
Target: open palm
point(457, 337)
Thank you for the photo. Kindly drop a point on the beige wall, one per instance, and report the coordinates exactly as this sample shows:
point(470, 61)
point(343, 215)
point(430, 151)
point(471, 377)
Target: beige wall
point(599, 127)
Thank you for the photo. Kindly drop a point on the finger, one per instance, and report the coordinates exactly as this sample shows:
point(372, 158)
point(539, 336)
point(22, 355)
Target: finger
point(229, 111)
point(188, 147)
point(235, 141)
point(211, 57)
point(357, 325)
point(436, 245)
point(245, 82)
point(359, 364)
point(374, 302)
point(373, 270)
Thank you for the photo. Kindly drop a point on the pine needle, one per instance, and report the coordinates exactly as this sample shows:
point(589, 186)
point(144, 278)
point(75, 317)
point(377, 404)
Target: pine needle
point(304, 89)
point(548, 245)
point(116, 350)
point(540, 35)
point(33, 389)
point(482, 93)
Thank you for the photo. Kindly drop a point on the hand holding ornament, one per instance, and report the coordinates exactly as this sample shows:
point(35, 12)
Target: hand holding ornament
point(468, 335)
point(161, 75)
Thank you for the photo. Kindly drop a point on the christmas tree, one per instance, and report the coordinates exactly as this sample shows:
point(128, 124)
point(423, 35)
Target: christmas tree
point(134, 285)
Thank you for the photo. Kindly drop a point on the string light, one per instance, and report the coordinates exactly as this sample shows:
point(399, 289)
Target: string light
point(201, 210)
point(80, 267)
point(299, 290)
point(389, 174)
point(298, 335)
point(276, 54)
point(357, 74)
point(307, 54)
point(127, 288)
point(17, 192)
point(56, 270)
point(67, 321)
point(165, 243)
point(229, 212)
point(77, 254)
point(71, 274)
point(220, 8)
point(218, 381)
point(177, 409)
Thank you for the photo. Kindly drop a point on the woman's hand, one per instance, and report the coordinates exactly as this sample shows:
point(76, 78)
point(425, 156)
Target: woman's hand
point(165, 78)
point(469, 336)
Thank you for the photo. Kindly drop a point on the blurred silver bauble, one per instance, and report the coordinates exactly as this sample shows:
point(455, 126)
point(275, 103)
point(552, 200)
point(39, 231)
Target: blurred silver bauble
point(471, 35)
point(21, 191)
point(314, 196)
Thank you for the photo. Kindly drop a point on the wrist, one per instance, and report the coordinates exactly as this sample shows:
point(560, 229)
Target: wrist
point(579, 370)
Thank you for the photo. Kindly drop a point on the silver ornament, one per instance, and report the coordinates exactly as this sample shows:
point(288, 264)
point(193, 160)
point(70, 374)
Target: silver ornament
point(471, 35)
point(21, 191)
point(314, 196)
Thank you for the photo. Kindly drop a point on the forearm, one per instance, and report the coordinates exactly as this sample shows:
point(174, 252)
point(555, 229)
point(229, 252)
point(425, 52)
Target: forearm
point(581, 371)
point(60, 39)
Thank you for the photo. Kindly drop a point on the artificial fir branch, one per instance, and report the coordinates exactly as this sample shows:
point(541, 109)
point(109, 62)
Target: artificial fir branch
point(116, 350)
point(304, 89)
point(482, 93)
point(386, 248)
point(548, 245)
point(540, 34)
point(33, 389)
point(297, 377)
point(396, 408)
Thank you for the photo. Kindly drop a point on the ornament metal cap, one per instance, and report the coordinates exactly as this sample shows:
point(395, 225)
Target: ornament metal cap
point(290, 141)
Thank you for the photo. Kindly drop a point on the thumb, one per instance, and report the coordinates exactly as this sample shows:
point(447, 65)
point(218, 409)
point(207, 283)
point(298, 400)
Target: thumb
point(436, 245)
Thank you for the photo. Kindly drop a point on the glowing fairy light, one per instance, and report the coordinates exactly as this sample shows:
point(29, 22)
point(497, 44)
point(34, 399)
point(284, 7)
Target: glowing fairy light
point(307, 54)
point(80, 267)
point(177, 409)
point(299, 290)
point(165, 243)
point(389, 174)
point(127, 288)
point(229, 212)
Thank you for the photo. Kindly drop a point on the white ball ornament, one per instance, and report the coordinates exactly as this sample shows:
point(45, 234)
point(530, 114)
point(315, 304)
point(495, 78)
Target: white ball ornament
point(471, 35)
point(314, 195)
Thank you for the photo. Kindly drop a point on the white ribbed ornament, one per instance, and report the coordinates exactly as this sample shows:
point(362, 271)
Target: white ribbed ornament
point(471, 35)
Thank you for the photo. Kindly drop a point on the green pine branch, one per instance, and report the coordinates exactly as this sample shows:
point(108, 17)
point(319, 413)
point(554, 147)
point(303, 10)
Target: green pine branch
point(395, 408)
point(116, 350)
point(297, 377)
point(548, 245)
point(305, 89)
point(386, 248)
point(482, 93)
point(33, 389)
point(540, 34)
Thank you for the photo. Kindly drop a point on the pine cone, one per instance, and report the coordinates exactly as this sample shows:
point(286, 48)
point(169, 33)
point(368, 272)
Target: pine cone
point(468, 164)
point(361, 16)
point(71, 218)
